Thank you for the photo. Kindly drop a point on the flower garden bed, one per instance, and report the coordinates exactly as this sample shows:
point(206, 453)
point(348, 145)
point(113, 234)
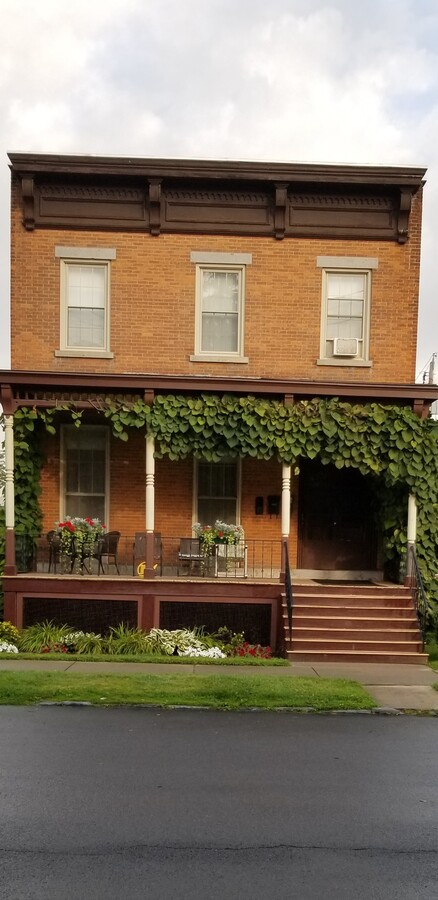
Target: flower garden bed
point(48, 641)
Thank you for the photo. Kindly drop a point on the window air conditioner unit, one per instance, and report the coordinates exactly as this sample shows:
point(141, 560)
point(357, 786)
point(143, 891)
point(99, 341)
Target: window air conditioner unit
point(345, 347)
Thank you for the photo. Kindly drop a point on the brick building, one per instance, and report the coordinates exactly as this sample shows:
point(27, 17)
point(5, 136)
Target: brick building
point(140, 279)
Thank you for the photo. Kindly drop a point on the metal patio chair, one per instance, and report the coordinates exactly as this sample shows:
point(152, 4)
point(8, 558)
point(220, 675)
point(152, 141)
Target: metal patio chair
point(190, 556)
point(107, 546)
point(139, 551)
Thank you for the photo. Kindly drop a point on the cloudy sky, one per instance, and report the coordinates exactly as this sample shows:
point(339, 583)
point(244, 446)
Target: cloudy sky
point(292, 80)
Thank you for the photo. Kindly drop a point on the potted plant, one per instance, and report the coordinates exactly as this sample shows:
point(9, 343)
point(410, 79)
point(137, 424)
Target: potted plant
point(78, 537)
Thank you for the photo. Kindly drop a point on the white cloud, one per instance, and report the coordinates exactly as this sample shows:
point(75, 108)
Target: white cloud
point(293, 79)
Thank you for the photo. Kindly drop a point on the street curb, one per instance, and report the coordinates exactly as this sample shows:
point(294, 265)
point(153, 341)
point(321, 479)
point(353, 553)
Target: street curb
point(301, 710)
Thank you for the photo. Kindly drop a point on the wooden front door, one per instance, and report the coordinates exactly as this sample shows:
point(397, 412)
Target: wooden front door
point(336, 528)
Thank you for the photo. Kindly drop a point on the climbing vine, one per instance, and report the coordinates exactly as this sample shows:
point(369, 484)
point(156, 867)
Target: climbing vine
point(389, 443)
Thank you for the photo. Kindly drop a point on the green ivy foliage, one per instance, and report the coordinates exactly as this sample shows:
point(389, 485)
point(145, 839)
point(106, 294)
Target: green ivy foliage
point(389, 443)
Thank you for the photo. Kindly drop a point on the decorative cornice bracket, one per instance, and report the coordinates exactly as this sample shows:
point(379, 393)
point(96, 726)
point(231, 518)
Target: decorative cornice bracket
point(421, 408)
point(28, 195)
point(155, 205)
point(7, 399)
point(280, 209)
point(403, 215)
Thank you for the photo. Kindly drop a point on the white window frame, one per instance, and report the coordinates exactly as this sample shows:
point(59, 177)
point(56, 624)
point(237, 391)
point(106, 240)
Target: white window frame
point(220, 262)
point(84, 256)
point(63, 469)
point(196, 462)
point(346, 265)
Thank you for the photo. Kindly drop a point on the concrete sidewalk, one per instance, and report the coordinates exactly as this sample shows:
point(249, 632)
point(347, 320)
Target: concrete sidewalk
point(395, 686)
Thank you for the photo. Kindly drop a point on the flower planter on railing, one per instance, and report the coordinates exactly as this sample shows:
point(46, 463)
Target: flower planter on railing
point(212, 536)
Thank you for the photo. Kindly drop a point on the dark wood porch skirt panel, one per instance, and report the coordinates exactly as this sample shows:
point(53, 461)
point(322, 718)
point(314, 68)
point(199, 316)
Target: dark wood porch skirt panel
point(147, 602)
point(254, 619)
point(82, 615)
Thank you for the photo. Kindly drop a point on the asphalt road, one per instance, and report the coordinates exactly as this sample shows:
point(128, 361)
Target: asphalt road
point(99, 803)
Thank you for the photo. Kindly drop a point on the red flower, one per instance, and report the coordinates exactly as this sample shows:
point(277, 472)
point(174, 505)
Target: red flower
point(67, 525)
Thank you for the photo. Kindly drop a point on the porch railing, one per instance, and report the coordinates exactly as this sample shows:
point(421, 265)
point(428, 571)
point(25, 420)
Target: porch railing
point(249, 559)
point(418, 592)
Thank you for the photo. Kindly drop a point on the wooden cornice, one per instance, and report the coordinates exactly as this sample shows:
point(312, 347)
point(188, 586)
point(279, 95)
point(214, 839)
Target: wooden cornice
point(32, 163)
point(35, 388)
point(280, 200)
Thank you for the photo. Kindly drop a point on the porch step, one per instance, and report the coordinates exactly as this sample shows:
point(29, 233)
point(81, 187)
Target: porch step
point(329, 599)
point(353, 634)
point(358, 656)
point(359, 612)
point(357, 643)
point(373, 623)
point(405, 623)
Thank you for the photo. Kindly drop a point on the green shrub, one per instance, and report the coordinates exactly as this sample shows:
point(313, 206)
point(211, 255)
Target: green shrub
point(43, 637)
point(9, 633)
point(88, 642)
point(123, 639)
point(166, 643)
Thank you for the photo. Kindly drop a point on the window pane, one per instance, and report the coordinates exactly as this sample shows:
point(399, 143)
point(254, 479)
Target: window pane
point(211, 509)
point(219, 332)
point(345, 328)
point(346, 286)
point(220, 291)
point(86, 286)
point(92, 506)
point(86, 327)
point(345, 307)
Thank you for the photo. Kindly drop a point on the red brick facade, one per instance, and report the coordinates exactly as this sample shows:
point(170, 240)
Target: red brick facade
point(152, 297)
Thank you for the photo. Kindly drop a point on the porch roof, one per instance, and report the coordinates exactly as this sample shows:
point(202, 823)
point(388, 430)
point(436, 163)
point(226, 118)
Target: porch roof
point(33, 388)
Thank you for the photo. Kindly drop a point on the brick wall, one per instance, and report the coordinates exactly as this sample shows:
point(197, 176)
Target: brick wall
point(173, 494)
point(153, 303)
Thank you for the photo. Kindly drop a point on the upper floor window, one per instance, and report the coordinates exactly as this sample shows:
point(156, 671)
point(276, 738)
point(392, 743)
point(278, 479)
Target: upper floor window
point(345, 315)
point(85, 301)
point(220, 306)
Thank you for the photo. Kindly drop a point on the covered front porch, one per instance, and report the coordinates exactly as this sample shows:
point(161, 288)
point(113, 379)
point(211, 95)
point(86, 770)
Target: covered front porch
point(295, 473)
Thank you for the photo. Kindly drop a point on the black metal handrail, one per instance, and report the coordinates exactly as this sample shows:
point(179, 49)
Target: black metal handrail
point(418, 593)
point(288, 588)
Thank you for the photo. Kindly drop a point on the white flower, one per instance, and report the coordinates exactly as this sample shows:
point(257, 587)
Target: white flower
point(5, 647)
point(210, 653)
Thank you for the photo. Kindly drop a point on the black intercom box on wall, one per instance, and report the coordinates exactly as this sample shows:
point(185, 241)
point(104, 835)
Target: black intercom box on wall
point(273, 504)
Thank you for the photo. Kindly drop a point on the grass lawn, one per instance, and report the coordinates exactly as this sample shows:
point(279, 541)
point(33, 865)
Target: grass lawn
point(432, 650)
point(150, 658)
point(215, 691)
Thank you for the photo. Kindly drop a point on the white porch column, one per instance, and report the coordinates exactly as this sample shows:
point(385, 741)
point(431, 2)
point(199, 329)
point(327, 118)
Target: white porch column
point(9, 473)
point(9, 497)
point(285, 502)
point(285, 513)
point(150, 506)
point(412, 531)
point(150, 483)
